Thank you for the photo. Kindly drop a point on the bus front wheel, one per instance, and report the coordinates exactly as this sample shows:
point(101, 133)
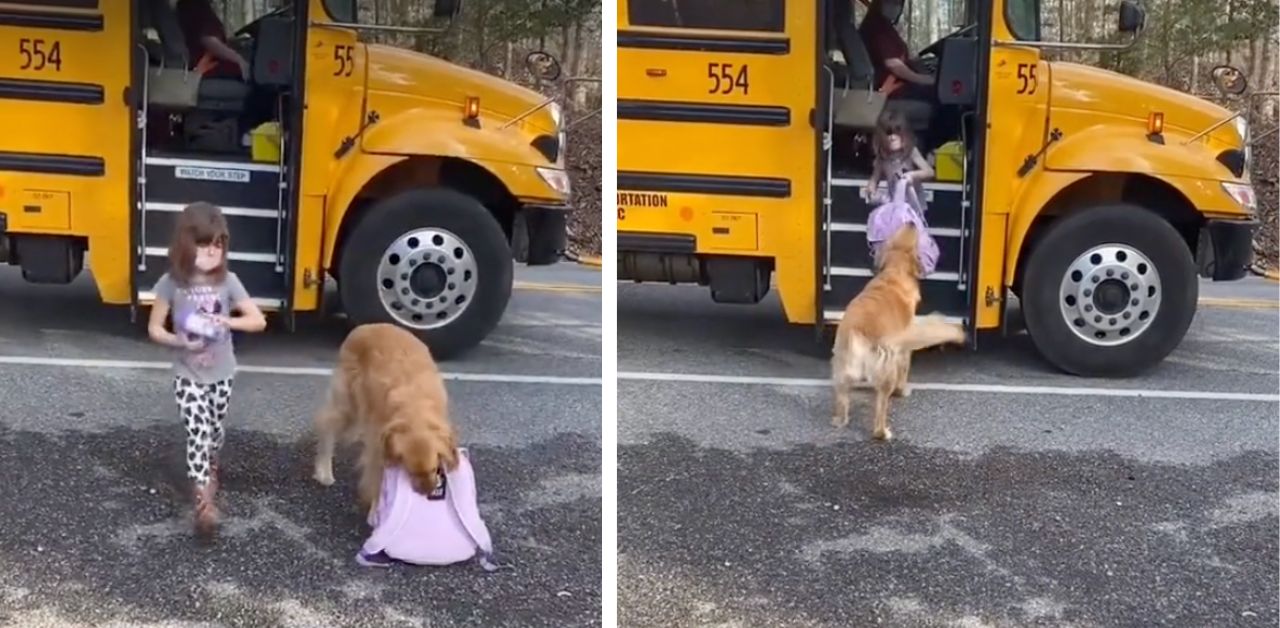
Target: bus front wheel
point(1109, 291)
point(433, 261)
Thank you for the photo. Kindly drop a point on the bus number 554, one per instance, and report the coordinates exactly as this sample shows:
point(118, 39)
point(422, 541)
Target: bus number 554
point(726, 78)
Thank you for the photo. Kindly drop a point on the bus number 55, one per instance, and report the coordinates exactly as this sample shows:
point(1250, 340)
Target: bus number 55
point(725, 78)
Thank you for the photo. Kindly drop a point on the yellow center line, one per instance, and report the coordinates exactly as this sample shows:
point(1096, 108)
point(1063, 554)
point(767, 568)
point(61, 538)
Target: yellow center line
point(1240, 304)
point(533, 286)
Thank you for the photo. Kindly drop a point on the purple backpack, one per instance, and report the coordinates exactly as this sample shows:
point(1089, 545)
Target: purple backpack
point(437, 529)
point(902, 209)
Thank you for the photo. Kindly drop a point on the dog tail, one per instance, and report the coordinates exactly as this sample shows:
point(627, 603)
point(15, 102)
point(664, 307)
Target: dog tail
point(925, 332)
point(859, 357)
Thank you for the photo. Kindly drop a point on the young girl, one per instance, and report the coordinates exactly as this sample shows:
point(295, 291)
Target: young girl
point(201, 294)
point(900, 164)
point(896, 156)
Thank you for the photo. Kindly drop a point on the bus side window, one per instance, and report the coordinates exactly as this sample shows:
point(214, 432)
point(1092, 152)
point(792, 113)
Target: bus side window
point(746, 15)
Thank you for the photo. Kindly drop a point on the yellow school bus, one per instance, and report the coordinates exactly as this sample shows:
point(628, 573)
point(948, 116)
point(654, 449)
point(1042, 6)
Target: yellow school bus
point(397, 174)
point(1093, 197)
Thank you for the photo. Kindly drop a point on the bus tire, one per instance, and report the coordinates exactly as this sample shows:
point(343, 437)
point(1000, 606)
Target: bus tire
point(1109, 292)
point(434, 261)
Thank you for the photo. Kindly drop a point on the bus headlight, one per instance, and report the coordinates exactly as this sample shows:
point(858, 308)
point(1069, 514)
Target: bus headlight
point(1242, 194)
point(556, 179)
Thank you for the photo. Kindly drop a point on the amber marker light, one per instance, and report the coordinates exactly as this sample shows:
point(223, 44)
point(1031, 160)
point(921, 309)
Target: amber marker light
point(1155, 123)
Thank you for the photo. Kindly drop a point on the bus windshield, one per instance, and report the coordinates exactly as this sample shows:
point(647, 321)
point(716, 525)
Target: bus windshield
point(1023, 18)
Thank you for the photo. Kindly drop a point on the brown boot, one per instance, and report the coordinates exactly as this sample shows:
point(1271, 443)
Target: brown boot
point(205, 513)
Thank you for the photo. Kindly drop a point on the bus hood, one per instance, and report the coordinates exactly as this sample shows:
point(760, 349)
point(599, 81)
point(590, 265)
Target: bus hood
point(1079, 88)
point(438, 83)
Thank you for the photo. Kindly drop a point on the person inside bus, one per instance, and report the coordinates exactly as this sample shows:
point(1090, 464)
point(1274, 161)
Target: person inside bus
point(209, 54)
point(890, 56)
point(891, 64)
point(206, 39)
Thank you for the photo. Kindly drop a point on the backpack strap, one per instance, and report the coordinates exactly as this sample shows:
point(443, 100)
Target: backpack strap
point(901, 189)
point(473, 525)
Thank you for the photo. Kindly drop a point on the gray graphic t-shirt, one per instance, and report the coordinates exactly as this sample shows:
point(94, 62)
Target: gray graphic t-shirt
point(191, 310)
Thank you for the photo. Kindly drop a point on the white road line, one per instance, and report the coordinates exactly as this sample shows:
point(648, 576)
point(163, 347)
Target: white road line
point(1004, 389)
point(504, 378)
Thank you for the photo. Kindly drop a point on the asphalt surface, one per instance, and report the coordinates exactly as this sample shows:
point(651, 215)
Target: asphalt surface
point(739, 505)
point(95, 513)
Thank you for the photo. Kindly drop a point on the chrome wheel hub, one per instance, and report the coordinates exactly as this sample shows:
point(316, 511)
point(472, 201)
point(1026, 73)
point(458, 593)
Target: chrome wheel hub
point(1110, 294)
point(427, 278)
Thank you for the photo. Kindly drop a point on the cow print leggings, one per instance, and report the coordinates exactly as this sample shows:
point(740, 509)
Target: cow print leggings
point(204, 406)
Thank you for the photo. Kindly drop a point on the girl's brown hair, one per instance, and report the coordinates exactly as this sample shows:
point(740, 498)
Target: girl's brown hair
point(199, 224)
point(893, 123)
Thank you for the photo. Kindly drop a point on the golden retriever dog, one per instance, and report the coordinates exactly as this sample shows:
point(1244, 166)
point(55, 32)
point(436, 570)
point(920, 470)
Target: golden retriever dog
point(387, 394)
point(879, 331)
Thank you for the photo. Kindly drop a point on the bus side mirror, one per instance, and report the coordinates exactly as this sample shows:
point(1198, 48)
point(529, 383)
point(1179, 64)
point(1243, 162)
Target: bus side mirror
point(446, 8)
point(1229, 80)
point(1132, 17)
point(542, 65)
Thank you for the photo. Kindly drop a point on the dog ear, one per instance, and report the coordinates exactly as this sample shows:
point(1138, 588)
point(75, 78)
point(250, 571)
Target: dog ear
point(449, 457)
point(393, 442)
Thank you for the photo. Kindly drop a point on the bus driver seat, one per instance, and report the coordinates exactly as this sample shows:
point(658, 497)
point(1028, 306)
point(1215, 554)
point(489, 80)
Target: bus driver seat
point(170, 82)
point(859, 104)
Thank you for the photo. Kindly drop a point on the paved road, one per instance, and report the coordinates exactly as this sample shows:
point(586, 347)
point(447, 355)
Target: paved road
point(739, 505)
point(94, 515)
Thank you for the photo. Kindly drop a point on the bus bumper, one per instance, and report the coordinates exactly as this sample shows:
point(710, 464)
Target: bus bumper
point(1231, 248)
point(546, 230)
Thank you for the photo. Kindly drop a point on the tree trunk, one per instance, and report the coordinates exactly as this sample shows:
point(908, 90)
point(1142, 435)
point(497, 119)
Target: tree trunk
point(575, 65)
point(1062, 20)
point(482, 22)
point(1268, 61)
point(1230, 15)
point(928, 21)
point(566, 45)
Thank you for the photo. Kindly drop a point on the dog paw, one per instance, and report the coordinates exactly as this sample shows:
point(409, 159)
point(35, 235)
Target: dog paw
point(885, 435)
point(325, 478)
point(838, 421)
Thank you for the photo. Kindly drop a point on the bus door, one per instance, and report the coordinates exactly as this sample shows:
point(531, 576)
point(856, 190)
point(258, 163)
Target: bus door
point(192, 148)
point(846, 258)
point(717, 143)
